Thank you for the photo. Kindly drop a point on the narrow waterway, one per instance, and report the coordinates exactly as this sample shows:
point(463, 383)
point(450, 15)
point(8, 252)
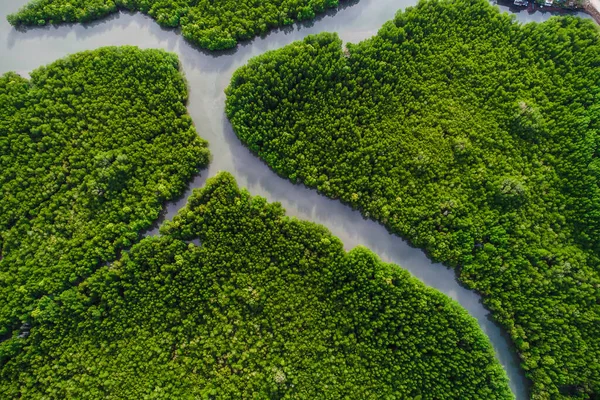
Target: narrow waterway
point(208, 75)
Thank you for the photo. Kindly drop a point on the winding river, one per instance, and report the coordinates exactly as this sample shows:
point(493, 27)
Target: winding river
point(208, 76)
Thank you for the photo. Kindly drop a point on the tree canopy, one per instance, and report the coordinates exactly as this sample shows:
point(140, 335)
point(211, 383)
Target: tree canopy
point(213, 25)
point(236, 300)
point(90, 149)
point(474, 137)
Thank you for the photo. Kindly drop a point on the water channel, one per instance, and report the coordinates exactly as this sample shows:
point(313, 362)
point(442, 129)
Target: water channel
point(208, 75)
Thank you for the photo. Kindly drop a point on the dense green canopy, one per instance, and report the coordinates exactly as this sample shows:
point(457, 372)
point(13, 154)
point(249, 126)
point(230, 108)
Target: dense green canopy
point(265, 307)
point(209, 24)
point(473, 136)
point(90, 148)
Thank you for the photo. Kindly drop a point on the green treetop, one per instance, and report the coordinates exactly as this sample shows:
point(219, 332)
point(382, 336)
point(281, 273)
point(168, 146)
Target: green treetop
point(474, 137)
point(236, 300)
point(90, 149)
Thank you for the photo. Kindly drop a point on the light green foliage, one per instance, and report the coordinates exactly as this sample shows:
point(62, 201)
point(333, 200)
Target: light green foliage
point(266, 307)
point(209, 24)
point(472, 136)
point(90, 148)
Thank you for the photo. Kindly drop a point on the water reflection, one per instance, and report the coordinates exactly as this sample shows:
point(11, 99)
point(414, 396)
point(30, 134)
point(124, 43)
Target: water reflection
point(208, 75)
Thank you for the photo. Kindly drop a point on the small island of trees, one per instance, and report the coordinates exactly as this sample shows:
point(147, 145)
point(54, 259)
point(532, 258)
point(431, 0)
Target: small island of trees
point(213, 25)
point(474, 137)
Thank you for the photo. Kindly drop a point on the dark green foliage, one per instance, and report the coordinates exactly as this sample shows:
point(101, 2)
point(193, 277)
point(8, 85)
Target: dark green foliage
point(266, 307)
point(474, 137)
point(210, 24)
point(90, 148)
